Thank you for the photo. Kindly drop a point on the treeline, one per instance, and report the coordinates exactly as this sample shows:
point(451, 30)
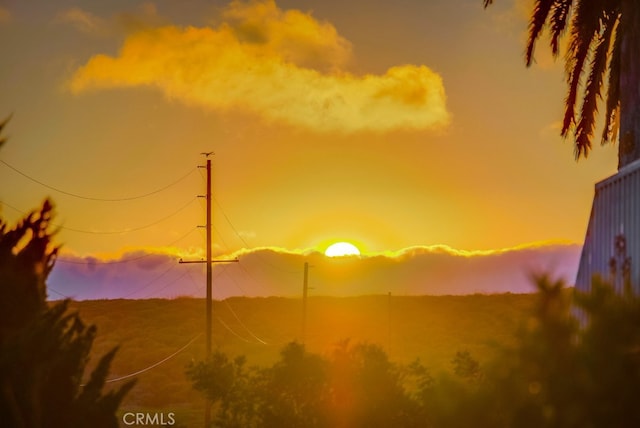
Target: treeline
point(557, 374)
point(432, 328)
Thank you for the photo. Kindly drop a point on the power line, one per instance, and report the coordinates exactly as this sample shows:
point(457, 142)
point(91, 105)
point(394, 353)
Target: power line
point(257, 254)
point(224, 324)
point(132, 259)
point(165, 286)
point(58, 293)
point(246, 244)
point(242, 324)
point(91, 198)
point(105, 232)
point(146, 369)
point(148, 284)
point(224, 214)
point(135, 229)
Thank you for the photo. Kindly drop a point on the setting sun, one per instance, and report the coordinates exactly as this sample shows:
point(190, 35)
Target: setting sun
point(341, 249)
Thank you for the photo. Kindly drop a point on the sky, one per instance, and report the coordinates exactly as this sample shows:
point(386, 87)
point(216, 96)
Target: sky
point(407, 128)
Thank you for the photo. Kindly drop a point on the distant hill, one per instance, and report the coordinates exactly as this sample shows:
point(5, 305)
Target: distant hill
point(431, 328)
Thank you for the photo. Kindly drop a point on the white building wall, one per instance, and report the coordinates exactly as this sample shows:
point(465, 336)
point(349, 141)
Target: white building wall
point(615, 212)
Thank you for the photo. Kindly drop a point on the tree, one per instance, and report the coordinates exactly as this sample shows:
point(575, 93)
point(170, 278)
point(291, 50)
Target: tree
point(356, 387)
point(230, 386)
point(604, 41)
point(295, 389)
point(368, 390)
point(44, 349)
point(556, 375)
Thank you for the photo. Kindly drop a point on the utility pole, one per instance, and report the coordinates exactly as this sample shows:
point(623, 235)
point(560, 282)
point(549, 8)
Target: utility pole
point(389, 324)
point(209, 262)
point(305, 288)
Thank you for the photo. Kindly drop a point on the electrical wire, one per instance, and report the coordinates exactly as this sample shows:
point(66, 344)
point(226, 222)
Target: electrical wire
point(58, 293)
point(115, 232)
point(258, 255)
point(165, 286)
point(148, 284)
point(90, 198)
point(153, 365)
point(242, 324)
point(224, 324)
point(132, 259)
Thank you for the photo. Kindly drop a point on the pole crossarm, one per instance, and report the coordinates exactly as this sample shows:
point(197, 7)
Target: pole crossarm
point(205, 261)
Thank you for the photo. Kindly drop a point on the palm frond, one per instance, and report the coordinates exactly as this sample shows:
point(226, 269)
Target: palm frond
point(539, 16)
point(558, 23)
point(593, 86)
point(2, 125)
point(612, 114)
point(584, 32)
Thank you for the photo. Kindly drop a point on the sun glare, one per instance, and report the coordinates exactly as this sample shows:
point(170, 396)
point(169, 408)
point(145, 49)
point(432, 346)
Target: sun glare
point(340, 249)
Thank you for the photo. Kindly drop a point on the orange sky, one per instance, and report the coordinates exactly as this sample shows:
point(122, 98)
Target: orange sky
point(385, 124)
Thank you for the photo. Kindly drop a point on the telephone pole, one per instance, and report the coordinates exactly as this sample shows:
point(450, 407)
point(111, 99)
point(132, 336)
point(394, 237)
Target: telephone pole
point(305, 292)
point(389, 324)
point(209, 262)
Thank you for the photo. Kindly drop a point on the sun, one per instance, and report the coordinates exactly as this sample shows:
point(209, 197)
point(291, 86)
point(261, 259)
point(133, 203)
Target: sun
point(340, 249)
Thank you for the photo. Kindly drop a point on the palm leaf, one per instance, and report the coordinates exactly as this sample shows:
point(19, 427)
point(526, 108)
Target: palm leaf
point(558, 23)
point(612, 114)
point(593, 86)
point(584, 31)
point(2, 125)
point(541, 11)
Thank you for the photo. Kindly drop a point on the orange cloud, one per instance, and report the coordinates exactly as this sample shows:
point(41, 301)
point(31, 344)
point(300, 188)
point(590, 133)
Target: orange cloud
point(445, 249)
point(282, 65)
point(292, 35)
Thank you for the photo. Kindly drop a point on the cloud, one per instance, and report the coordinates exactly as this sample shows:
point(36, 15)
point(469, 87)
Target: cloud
point(292, 35)
point(285, 66)
point(143, 17)
point(437, 270)
point(82, 20)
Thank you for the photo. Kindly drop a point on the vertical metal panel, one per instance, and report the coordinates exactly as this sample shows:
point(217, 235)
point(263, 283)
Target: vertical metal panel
point(615, 211)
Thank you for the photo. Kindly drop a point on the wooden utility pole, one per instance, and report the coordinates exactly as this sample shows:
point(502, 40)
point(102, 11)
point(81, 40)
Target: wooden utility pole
point(305, 288)
point(389, 324)
point(209, 262)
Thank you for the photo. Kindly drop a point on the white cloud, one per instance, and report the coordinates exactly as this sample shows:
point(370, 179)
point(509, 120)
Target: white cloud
point(285, 66)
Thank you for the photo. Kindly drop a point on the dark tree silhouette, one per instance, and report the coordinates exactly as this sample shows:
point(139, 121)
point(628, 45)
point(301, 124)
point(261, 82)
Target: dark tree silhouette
point(44, 349)
point(557, 374)
point(231, 387)
point(604, 41)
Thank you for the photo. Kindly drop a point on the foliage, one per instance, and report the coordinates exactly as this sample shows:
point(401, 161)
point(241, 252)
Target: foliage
point(44, 349)
point(558, 374)
point(465, 366)
point(357, 386)
point(227, 382)
point(431, 328)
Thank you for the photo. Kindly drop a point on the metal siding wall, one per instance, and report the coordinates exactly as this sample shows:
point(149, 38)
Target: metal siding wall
point(615, 210)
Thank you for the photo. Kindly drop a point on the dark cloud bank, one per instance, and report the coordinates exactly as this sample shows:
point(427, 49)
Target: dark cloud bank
point(267, 272)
